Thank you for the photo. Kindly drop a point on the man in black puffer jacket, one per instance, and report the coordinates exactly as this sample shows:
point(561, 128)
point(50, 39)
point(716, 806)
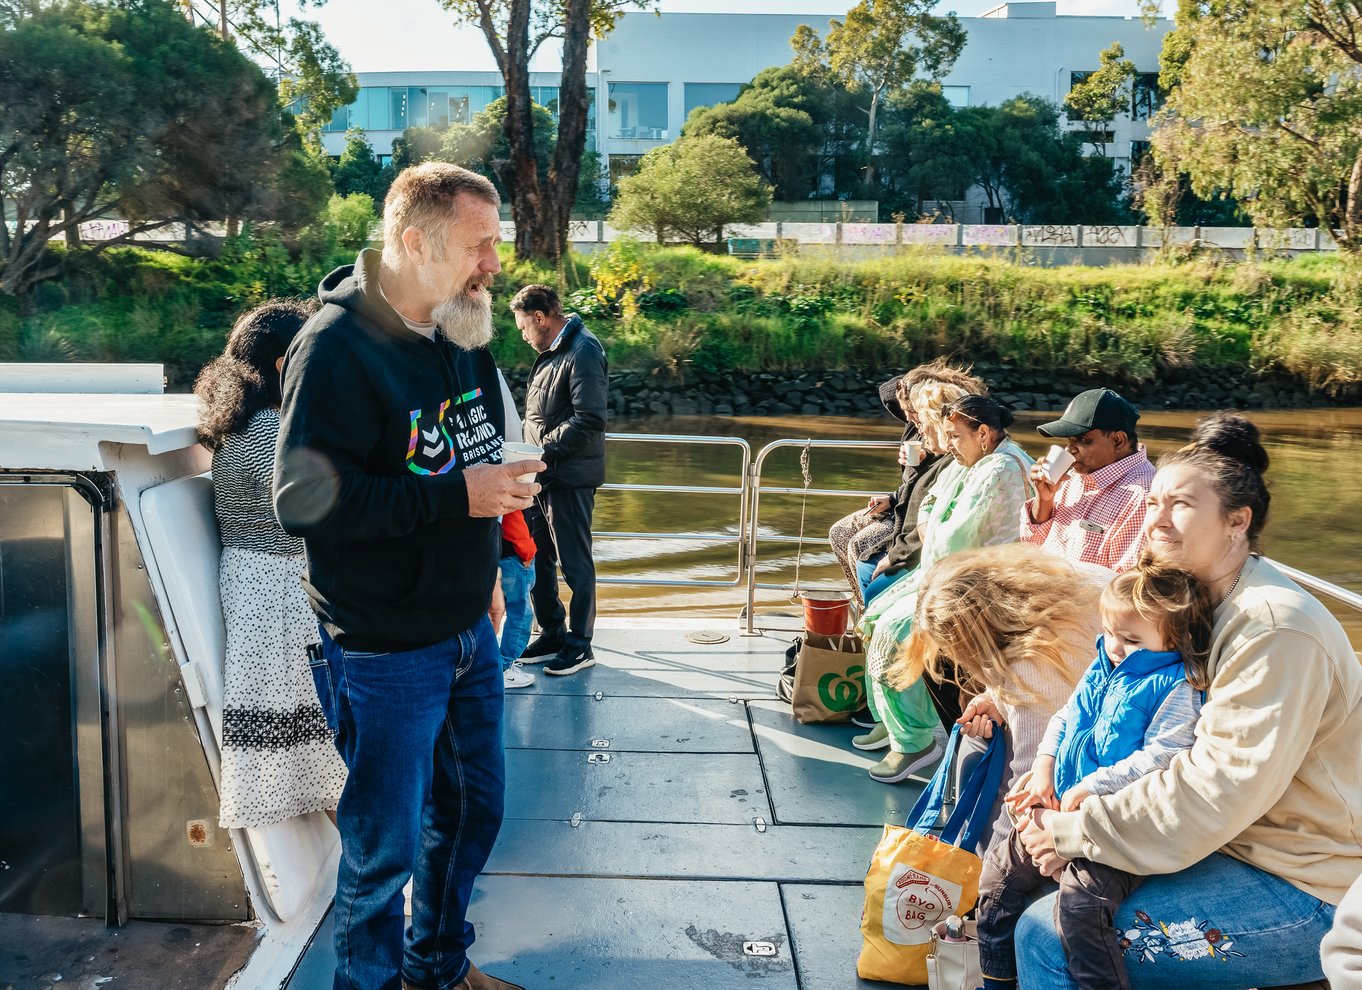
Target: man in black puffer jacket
point(565, 408)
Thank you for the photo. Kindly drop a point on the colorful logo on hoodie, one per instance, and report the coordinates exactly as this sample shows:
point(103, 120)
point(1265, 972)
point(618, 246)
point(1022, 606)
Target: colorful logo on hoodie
point(441, 441)
point(431, 448)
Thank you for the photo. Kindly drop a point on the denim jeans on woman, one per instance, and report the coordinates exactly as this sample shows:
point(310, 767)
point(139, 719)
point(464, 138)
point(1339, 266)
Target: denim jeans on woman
point(1217, 925)
point(420, 731)
point(516, 581)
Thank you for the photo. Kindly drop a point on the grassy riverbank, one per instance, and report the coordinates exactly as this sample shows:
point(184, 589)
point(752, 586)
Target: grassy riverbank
point(681, 310)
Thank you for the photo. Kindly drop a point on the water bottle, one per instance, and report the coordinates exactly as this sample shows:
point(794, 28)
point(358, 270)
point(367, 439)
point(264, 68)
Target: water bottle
point(955, 929)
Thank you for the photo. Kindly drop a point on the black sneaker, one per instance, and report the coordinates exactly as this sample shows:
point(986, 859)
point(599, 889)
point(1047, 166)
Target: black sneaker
point(550, 641)
point(569, 660)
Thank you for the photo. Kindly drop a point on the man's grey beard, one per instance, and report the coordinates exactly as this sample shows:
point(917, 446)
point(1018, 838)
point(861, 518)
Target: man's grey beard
point(465, 320)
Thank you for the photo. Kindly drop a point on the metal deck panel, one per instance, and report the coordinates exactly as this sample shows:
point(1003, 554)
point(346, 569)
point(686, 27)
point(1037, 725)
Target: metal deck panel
point(595, 934)
point(721, 788)
point(679, 851)
point(825, 928)
point(647, 725)
point(662, 663)
point(817, 778)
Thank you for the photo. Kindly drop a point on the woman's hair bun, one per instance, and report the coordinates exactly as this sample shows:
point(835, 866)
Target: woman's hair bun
point(1231, 435)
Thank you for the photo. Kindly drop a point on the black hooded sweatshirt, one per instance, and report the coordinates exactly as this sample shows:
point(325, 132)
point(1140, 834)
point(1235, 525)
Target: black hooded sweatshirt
point(376, 426)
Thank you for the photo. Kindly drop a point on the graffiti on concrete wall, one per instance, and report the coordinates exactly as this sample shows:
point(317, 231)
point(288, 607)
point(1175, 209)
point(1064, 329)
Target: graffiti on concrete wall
point(869, 233)
point(931, 233)
point(1050, 235)
point(988, 235)
point(1109, 236)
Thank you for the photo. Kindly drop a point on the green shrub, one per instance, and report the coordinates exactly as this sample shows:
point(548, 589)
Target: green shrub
point(680, 309)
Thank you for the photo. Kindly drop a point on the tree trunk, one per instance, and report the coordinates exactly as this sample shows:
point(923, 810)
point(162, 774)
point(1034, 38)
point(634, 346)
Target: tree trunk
point(72, 235)
point(520, 175)
point(871, 172)
point(1352, 211)
point(550, 234)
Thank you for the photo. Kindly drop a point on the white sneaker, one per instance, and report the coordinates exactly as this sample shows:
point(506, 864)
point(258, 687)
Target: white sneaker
point(516, 676)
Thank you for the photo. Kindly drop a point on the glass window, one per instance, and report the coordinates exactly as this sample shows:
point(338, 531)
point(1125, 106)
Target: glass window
point(622, 166)
point(340, 120)
point(1145, 95)
point(709, 94)
point(397, 108)
point(437, 107)
point(370, 111)
point(479, 96)
point(416, 106)
point(956, 96)
point(638, 110)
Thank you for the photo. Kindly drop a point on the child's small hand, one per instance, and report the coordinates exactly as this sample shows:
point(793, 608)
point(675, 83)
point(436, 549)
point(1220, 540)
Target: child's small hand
point(1073, 797)
point(1035, 788)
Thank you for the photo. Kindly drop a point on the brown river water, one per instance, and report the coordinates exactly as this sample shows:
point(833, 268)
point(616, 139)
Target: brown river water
point(1316, 521)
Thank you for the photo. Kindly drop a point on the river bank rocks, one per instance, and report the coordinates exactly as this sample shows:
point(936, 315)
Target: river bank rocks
point(855, 393)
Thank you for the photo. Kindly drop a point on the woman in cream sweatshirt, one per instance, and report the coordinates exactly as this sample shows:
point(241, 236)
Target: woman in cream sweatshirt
point(1253, 836)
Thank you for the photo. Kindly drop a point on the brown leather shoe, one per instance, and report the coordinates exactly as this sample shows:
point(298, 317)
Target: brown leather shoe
point(475, 979)
point(478, 980)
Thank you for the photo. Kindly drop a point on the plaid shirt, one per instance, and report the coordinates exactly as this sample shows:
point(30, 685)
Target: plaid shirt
point(1098, 518)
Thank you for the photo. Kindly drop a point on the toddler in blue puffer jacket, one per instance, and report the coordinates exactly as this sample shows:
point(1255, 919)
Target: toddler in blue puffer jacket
point(1131, 713)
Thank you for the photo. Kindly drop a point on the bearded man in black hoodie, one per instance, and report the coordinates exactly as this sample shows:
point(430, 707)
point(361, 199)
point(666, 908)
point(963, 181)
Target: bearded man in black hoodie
point(389, 467)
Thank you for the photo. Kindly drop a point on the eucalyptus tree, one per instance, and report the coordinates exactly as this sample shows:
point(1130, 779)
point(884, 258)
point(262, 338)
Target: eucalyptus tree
point(1265, 104)
point(125, 109)
point(879, 48)
point(1098, 97)
point(515, 30)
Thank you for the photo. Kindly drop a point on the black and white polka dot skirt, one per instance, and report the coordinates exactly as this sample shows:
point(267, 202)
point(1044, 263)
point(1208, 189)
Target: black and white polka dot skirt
point(278, 759)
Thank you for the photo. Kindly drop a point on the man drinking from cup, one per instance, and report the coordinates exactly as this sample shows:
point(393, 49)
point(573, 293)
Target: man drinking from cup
point(1090, 493)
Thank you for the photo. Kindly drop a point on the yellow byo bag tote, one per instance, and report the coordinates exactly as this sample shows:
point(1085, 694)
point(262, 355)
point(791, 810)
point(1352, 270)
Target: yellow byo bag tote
point(917, 880)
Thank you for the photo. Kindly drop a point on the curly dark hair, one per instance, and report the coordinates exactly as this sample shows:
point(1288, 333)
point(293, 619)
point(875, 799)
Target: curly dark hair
point(242, 380)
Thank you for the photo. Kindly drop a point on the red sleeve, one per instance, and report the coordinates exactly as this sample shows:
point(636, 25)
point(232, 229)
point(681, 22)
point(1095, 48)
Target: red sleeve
point(517, 534)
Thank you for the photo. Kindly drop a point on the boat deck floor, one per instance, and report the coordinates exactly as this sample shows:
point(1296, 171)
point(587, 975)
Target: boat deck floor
point(41, 952)
point(662, 810)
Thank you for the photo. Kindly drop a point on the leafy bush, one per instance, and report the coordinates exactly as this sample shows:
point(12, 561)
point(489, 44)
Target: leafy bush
point(676, 309)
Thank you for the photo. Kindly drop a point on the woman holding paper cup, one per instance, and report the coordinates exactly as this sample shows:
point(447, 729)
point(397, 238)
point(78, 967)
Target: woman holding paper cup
point(974, 503)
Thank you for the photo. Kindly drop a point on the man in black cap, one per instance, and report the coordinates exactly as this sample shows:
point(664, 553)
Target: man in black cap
point(1094, 511)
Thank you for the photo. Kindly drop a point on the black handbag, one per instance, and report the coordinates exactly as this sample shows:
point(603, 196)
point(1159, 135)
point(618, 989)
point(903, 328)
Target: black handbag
point(785, 684)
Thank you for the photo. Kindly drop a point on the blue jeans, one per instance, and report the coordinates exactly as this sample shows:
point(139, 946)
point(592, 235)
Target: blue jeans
point(516, 581)
point(420, 731)
point(1218, 925)
point(869, 588)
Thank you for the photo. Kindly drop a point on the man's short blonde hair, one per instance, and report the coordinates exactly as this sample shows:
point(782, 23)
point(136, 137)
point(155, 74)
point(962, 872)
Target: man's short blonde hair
point(422, 196)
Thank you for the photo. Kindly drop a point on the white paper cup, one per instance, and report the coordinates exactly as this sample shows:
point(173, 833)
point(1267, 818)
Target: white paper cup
point(511, 452)
point(1057, 461)
point(912, 453)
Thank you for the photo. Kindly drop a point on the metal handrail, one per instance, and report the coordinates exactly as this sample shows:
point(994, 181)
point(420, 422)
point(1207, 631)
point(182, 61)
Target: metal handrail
point(714, 537)
point(1311, 583)
point(748, 534)
point(754, 512)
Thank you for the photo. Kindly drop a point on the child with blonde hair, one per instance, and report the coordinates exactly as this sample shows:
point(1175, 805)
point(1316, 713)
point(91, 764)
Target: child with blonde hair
point(1134, 709)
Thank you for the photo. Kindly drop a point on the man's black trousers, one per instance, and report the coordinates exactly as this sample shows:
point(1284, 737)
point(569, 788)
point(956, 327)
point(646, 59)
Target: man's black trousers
point(560, 522)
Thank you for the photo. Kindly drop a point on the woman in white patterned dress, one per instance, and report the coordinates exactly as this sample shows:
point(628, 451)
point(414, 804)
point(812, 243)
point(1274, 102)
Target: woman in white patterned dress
point(278, 759)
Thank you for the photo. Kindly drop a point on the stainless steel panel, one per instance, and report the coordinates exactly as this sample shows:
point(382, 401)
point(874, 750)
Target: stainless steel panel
point(39, 801)
point(180, 864)
point(85, 606)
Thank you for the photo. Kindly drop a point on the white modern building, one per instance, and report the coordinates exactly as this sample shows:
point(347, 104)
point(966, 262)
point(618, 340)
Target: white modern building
point(655, 69)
